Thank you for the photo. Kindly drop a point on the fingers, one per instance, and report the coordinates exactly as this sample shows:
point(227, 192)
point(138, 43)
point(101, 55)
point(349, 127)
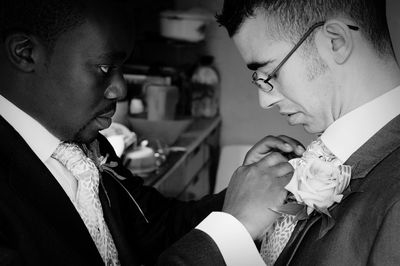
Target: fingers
point(284, 172)
point(264, 147)
point(295, 145)
point(271, 159)
point(283, 144)
point(254, 189)
point(268, 143)
point(276, 165)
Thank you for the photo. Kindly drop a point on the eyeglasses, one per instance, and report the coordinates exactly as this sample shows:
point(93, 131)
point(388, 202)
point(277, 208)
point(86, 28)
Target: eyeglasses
point(264, 83)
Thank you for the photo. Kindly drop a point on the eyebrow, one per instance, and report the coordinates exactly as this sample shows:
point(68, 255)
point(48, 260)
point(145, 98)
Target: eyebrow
point(113, 56)
point(255, 65)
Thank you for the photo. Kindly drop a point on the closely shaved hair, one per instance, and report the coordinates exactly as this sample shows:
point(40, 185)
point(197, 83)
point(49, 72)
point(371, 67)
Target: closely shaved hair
point(292, 18)
point(46, 19)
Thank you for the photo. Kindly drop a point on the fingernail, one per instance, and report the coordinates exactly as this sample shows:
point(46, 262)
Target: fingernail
point(300, 149)
point(287, 146)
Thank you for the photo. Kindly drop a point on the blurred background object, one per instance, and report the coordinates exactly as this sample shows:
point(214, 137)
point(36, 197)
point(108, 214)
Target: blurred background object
point(205, 88)
point(231, 158)
point(167, 131)
point(120, 137)
point(185, 25)
point(161, 101)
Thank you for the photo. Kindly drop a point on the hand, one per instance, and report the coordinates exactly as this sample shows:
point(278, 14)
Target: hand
point(257, 188)
point(285, 145)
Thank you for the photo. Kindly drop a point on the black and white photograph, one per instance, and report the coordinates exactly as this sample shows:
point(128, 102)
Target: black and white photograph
point(199, 132)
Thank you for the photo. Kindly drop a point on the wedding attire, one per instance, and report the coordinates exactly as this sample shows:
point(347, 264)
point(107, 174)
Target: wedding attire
point(39, 224)
point(366, 222)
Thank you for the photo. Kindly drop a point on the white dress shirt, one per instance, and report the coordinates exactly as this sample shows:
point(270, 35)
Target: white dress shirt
point(343, 137)
point(41, 141)
point(347, 134)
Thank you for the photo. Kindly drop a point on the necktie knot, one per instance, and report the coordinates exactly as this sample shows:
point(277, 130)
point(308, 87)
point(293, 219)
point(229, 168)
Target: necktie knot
point(74, 159)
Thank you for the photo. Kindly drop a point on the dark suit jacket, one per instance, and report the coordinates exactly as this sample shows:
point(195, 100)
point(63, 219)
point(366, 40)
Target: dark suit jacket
point(40, 226)
point(367, 228)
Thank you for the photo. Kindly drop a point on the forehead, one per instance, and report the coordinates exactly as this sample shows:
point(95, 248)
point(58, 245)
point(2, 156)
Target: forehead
point(257, 42)
point(99, 33)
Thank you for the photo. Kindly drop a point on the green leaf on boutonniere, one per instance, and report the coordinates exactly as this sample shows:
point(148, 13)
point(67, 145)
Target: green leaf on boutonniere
point(322, 210)
point(293, 208)
point(327, 221)
point(327, 224)
point(302, 215)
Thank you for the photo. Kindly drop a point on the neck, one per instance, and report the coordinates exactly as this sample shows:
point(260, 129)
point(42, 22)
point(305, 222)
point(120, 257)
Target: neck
point(363, 85)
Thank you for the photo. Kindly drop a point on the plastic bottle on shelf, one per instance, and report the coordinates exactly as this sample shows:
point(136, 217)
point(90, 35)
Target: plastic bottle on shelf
point(205, 86)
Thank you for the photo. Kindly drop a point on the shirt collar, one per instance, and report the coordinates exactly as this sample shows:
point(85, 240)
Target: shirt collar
point(347, 134)
point(39, 139)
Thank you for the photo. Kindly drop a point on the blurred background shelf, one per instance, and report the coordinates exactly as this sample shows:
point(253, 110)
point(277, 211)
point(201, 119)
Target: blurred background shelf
point(190, 174)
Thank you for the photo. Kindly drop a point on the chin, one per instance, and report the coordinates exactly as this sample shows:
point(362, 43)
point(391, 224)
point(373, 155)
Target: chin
point(310, 129)
point(85, 135)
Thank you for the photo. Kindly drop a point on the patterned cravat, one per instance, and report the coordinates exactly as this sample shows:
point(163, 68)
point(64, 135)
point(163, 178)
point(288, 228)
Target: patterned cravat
point(87, 200)
point(278, 236)
point(275, 240)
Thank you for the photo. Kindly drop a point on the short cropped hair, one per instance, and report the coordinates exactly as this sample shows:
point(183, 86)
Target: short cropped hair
point(294, 17)
point(46, 19)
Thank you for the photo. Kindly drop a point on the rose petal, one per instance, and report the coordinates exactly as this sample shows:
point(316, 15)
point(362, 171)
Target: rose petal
point(304, 195)
point(338, 198)
point(313, 199)
point(292, 186)
point(309, 210)
point(305, 186)
point(327, 187)
point(294, 162)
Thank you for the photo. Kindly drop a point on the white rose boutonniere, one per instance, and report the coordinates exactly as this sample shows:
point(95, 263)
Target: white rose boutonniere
point(319, 178)
point(318, 184)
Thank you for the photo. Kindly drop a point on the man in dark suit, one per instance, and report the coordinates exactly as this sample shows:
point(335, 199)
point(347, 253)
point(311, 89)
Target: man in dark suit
point(329, 66)
point(60, 64)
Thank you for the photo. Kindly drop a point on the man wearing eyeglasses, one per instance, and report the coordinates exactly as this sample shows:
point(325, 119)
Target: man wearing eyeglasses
point(330, 67)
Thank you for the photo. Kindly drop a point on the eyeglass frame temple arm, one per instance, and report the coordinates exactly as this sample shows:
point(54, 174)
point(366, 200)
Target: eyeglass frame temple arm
point(305, 36)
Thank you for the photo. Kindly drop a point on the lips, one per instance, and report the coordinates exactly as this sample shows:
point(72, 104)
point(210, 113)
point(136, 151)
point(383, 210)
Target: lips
point(108, 114)
point(287, 113)
point(293, 117)
point(104, 119)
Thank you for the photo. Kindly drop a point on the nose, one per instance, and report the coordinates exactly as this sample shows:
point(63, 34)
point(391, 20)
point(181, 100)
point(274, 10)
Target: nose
point(116, 89)
point(268, 100)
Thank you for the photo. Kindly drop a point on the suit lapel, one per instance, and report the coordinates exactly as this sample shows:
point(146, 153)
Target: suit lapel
point(36, 186)
point(382, 144)
point(126, 253)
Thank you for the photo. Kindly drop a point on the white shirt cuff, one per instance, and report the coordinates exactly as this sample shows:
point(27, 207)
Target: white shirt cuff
point(233, 240)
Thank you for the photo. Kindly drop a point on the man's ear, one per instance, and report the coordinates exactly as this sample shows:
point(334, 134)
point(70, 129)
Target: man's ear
point(22, 51)
point(341, 40)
